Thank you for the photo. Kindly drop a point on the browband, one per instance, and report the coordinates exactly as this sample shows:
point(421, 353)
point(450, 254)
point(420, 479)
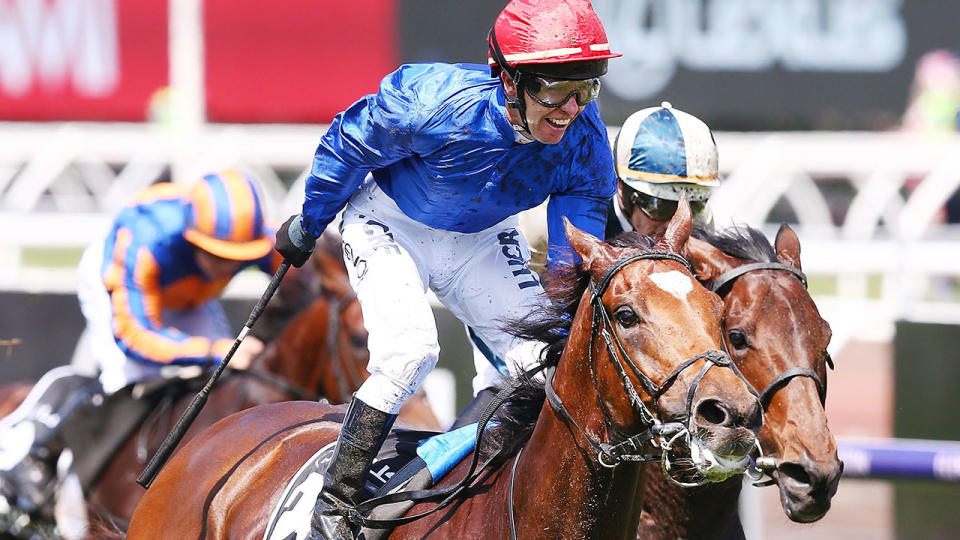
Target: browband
point(733, 274)
point(599, 287)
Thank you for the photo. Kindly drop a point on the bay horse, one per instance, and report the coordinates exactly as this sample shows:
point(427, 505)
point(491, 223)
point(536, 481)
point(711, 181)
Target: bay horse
point(316, 348)
point(778, 340)
point(629, 360)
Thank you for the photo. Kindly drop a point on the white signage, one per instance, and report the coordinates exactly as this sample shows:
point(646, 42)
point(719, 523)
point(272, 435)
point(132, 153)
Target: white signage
point(656, 36)
point(55, 43)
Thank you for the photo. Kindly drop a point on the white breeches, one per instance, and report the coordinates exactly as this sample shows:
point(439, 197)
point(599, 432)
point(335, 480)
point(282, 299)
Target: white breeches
point(392, 260)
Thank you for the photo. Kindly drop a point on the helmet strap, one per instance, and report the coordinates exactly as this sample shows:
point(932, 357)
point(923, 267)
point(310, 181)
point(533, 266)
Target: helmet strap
point(519, 104)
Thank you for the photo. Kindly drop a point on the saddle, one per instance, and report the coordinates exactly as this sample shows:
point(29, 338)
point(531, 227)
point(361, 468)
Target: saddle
point(408, 460)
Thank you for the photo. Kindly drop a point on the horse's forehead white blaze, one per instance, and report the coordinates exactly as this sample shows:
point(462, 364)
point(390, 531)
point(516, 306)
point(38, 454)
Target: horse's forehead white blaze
point(674, 282)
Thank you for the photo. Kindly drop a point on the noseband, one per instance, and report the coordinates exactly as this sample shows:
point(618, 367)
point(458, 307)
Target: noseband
point(665, 434)
point(727, 278)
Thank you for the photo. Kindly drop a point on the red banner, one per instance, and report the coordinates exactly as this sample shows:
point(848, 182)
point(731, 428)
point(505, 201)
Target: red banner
point(81, 59)
point(295, 60)
point(265, 61)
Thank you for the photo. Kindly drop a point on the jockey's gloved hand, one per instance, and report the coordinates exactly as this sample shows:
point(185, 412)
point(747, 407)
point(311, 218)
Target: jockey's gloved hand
point(293, 243)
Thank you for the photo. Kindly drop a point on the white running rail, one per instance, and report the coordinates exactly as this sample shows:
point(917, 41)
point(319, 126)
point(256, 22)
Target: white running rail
point(865, 204)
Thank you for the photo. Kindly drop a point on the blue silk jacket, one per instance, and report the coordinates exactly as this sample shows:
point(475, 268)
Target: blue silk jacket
point(437, 141)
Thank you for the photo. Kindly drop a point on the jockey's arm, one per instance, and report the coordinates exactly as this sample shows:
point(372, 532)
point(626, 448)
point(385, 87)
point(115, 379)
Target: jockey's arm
point(374, 132)
point(137, 317)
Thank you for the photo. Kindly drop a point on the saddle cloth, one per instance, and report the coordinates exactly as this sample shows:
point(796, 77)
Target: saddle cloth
point(409, 459)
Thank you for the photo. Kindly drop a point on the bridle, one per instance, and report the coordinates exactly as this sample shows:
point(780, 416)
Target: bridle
point(720, 286)
point(727, 278)
point(663, 435)
point(609, 456)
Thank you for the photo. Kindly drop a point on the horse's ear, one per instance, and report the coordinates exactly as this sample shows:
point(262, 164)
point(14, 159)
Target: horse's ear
point(678, 230)
point(708, 262)
point(597, 256)
point(787, 246)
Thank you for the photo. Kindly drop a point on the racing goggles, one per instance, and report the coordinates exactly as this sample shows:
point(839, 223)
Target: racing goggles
point(554, 93)
point(659, 209)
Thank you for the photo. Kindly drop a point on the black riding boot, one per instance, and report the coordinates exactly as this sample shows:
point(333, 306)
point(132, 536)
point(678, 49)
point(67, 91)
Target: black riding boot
point(363, 433)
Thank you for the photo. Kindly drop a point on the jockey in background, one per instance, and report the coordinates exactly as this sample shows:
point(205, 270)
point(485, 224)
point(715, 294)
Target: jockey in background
point(660, 154)
point(455, 152)
point(149, 294)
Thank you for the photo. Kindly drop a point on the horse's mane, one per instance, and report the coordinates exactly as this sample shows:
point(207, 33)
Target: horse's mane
point(740, 241)
point(549, 324)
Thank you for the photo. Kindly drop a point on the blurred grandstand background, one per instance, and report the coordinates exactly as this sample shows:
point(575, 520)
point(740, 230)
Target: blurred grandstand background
point(99, 98)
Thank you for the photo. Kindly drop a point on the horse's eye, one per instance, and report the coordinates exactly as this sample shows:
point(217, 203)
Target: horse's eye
point(738, 339)
point(626, 317)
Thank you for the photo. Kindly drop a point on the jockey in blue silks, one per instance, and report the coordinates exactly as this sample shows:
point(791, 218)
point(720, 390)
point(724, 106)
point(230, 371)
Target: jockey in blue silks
point(453, 153)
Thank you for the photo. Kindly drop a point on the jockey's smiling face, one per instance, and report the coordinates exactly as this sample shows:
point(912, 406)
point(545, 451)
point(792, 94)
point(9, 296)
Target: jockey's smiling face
point(547, 124)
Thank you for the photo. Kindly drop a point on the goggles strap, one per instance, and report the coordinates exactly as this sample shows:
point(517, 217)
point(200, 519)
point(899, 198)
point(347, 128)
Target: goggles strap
point(515, 76)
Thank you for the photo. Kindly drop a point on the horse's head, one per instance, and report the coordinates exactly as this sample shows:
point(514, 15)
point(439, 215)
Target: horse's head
point(656, 355)
point(778, 340)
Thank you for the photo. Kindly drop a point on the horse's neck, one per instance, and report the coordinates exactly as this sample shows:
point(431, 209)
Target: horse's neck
point(670, 511)
point(559, 483)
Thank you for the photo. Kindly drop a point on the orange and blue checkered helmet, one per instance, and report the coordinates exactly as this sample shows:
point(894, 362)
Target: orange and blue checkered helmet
point(225, 217)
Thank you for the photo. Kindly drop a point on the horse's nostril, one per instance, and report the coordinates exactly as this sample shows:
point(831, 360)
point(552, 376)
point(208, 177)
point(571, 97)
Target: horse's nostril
point(795, 472)
point(713, 412)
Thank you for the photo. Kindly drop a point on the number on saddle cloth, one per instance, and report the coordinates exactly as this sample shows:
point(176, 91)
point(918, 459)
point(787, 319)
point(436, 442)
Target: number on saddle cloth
point(408, 460)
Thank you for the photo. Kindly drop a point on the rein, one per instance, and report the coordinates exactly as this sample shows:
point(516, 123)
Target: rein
point(280, 383)
point(333, 330)
point(446, 494)
point(664, 435)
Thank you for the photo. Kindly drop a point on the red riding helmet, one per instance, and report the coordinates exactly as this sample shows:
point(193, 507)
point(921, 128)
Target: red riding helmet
point(561, 39)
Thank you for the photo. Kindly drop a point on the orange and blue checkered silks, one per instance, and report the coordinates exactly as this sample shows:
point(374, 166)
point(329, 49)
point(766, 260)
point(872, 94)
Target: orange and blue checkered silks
point(149, 266)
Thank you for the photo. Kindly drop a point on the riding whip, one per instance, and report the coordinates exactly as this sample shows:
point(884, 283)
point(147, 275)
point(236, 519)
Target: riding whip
point(192, 410)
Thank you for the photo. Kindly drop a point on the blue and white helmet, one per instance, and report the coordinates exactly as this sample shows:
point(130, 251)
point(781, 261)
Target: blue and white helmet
point(665, 152)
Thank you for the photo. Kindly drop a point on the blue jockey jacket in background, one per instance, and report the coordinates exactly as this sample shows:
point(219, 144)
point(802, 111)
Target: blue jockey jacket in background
point(438, 142)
